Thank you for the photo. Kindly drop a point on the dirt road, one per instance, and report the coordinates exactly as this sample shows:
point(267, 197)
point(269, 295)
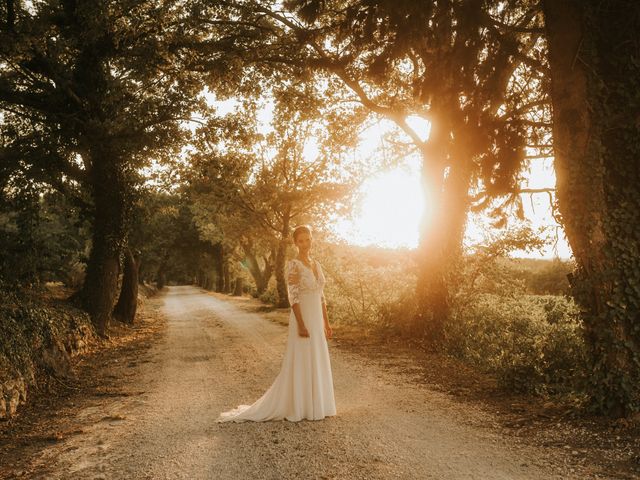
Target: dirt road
point(214, 356)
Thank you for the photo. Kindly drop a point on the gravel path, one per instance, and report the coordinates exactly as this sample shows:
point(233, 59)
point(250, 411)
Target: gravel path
point(216, 356)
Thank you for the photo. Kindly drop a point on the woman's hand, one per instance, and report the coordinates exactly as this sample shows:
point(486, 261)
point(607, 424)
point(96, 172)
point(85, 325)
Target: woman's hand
point(302, 330)
point(327, 330)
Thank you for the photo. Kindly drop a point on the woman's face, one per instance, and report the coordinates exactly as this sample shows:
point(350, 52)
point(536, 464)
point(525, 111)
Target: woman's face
point(303, 241)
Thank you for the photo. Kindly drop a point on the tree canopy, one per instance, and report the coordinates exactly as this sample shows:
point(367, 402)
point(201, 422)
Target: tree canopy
point(98, 97)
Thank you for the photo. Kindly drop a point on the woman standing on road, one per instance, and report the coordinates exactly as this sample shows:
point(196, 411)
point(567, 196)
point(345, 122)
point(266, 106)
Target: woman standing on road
point(304, 387)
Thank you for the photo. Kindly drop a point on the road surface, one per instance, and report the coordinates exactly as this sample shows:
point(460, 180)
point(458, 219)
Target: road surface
point(215, 356)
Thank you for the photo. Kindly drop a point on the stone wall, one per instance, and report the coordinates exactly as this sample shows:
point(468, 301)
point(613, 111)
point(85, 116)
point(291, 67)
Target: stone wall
point(37, 337)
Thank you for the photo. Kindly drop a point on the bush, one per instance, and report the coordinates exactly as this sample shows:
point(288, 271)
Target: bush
point(28, 324)
point(533, 343)
point(270, 295)
point(74, 275)
point(397, 315)
point(36, 338)
point(41, 238)
point(376, 296)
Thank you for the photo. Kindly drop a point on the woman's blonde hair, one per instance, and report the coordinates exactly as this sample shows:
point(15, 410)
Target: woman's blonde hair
point(300, 229)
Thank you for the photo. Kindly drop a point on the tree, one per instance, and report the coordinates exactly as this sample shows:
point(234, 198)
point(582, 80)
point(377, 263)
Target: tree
point(125, 309)
point(98, 89)
point(42, 236)
point(254, 186)
point(164, 231)
point(595, 79)
point(471, 68)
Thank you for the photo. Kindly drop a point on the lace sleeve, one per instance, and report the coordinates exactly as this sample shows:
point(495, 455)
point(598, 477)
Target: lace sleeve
point(293, 282)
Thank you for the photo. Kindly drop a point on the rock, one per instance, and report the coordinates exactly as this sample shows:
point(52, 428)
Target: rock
point(12, 393)
point(18, 385)
point(13, 402)
point(57, 361)
point(47, 340)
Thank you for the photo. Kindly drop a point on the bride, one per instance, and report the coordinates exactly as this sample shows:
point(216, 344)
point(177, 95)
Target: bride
point(304, 387)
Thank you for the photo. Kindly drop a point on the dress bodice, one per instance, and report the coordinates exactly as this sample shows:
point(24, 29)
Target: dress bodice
point(301, 280)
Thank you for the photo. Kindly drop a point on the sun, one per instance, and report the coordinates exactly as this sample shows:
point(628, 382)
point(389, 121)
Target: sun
point(391, 205)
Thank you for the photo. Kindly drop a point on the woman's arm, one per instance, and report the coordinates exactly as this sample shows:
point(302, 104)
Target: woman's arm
point(293, 290)
point(302, 329)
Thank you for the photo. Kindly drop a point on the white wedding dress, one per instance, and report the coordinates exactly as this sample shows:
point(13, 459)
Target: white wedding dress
point(304, 387)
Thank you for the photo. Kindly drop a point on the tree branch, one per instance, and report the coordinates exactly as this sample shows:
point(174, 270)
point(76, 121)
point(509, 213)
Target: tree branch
point(336, 67)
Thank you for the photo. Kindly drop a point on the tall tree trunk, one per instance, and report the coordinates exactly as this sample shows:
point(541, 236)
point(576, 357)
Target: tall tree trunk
point(227, 277)
point(125, 309)
point(281, 285)
point(161, 275)
point(260, 277)
point(109, 233)
point(268, 267)
point(595, 77)
point(239, 287)
point(218, 255)
point(162, 279)
point(140, 269)
point(441, 232)
point(207, 280)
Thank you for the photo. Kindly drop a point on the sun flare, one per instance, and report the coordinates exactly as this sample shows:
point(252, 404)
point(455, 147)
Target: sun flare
point(391, 205)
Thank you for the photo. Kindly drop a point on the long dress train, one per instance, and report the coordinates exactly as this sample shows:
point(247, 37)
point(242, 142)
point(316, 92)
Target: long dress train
point(304, 387)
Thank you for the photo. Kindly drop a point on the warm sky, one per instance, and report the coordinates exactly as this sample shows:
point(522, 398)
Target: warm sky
point(391, 200)
point(390, 211)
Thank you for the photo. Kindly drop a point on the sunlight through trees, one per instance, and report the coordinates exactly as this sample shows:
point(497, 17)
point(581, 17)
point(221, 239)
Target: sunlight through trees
point(183, 141)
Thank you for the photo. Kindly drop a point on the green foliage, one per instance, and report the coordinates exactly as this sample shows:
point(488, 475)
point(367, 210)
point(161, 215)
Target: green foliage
point(598, 163)
point(546, 277)
point(90, 94)
point(41, 239)
point(473, 70)
point(397, 315)
point(98, 84)
point(165, 233)
point(28, 326)
point(270, 295)
point(532, 343)
point(365, 285)
point(251, 182)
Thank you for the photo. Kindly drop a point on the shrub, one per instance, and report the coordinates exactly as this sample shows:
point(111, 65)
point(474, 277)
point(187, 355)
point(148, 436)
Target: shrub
point(270, 295)
point(397, 315)
point(532, 343)
point(36, 338)
point(41, 236)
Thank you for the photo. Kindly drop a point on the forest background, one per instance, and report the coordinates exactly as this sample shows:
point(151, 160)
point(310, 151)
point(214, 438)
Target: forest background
point(119, 168)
